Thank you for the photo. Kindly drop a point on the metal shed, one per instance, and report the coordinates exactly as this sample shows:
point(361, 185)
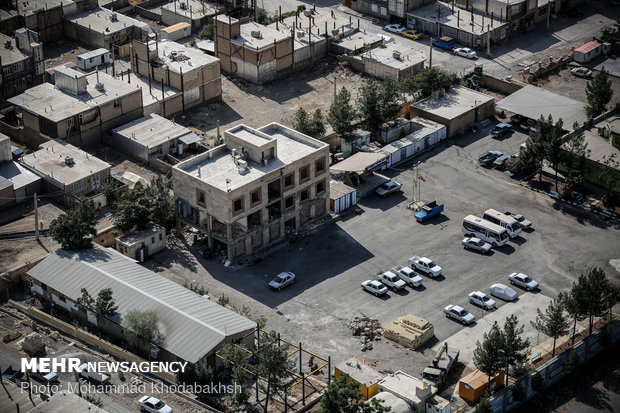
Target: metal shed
point(341, 196)
point(424, 134)
point(94, 58)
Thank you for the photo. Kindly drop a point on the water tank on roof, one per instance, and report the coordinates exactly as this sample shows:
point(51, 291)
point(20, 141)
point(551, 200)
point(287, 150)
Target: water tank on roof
point(307, 13)
point(69, 160)
point(114, 16)
point(396, 55)
point(256, 33)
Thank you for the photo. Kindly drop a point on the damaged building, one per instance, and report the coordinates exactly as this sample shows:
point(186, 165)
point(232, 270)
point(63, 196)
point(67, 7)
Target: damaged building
point(251, 191)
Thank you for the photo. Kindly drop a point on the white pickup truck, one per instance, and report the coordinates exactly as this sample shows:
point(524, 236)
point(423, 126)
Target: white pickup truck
point(391, 280)
point(426, 265)
point(408, 275)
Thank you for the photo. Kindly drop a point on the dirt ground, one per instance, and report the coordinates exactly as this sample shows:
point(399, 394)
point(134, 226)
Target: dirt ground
point(258, 105)
point(63, 51)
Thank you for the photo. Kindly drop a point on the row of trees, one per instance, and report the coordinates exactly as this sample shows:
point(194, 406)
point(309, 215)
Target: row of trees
point(377, 102)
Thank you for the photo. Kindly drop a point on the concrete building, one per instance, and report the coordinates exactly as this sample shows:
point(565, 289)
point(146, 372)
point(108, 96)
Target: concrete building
point(44, 17)
point(396, 405)
point(157, 98)
point(194, 73)
point(364, 375)
point(194, 327)
point(67, 171)
point(139, 245)
point(423, 134)
point(415, 392)
point(469, 28)
point(6, 154)
point(107, 29)
point(176, 31)
point(395, 61)
point(251, 191)
point(459, 108)
point(19, 184)
point(390, 10)
point(156, 140)
point(94, 58)
point(196, 13)
point(21, 62)
point(79, 108)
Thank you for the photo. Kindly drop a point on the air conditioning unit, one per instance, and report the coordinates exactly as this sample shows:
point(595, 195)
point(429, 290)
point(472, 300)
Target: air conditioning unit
point(100, 87)
point(69, 160)
point(335, 32)
point(183, 6)
point(7, 44)
point(396, 55)
point(301, 34)
point(114, 17)
point(256, 33)
point(307, 13)
point(242, 166)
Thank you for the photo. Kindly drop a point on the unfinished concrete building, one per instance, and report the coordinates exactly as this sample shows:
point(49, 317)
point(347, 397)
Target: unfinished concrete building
point(79, 108)
point(196, 13)
point(21, 62)
point(194, 73)
point(395, 61)
point(251, 191)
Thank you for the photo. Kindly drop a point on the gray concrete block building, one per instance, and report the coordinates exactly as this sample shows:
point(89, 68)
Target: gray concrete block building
point(21, 62)
point(251, 191)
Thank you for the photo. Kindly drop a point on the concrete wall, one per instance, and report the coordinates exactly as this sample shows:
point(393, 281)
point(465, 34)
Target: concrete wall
point(459, 124)
point(505, 86)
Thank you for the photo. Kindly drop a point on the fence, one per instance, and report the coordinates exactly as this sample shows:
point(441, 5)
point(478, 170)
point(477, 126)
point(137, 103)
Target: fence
point(553, 371)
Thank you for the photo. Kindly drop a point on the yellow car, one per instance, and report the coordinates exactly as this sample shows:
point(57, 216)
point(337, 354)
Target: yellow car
point(412, 34)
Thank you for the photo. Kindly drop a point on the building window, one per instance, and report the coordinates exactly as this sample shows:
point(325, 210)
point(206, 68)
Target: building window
point(289, 203)
point(238, 206)
point(320, 187)
point(304, 173)
point(70, 123)
point(255, 197)
point(152, 240)
point(200, 197)
point(161, 237)
point(117, 102)
point(305, 194)
point(289, 180)
point(18, 67)
point(319, 166)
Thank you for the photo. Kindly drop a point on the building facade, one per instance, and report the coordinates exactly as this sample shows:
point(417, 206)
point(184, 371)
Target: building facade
point(139, 245)
point(248, 193)
point(21, 61)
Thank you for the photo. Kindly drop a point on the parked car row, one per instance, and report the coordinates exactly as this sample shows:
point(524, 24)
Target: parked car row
point(403, 31)
point(400, 276)
point(495, 159)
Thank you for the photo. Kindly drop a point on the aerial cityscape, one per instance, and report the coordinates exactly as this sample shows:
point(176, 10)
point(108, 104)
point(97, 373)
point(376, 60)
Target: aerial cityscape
point(354, 206)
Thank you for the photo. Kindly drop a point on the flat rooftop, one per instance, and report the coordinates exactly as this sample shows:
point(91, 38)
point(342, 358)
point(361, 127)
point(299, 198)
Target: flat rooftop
point(532, 102)
point(180, 58)
point(385, 55)
point(155, 93)
point(47, 101)
point(360, 372)
point(100, 20)
point(358, 40)
point(138, 236)
point(599, 146)
point(456, 101)
point(291, 146)
point(152, 130)
point(12, 55)
point(404, 384)
point(429, 13)
point(195, 9)
point(50, 161)
point(267, 36)
point(17, 175)
point(26, 8)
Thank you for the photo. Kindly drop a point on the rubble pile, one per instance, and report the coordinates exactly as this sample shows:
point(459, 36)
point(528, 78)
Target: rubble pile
point(368, 329)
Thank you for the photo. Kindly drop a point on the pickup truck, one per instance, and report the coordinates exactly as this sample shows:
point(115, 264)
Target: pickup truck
point(391, 280)
point(10, 374)
point(437, 373)
point(428, 211)
point(444, 42)
point(95, 376)
point(408, 275)
point(425, 265)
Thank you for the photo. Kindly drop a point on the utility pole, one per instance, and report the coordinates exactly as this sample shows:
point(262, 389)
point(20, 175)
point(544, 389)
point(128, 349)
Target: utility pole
point(430, 58)
point(36, 218)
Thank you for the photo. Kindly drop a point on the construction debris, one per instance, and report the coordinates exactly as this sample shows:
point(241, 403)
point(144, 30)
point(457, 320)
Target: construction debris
point(11, 336)
point(33, 344)
point(410, 331)
point(368, 328)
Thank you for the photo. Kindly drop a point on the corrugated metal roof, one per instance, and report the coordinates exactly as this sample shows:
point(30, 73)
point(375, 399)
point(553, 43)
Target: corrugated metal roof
point(588, 47)
point(192, 325)
point(93, 53)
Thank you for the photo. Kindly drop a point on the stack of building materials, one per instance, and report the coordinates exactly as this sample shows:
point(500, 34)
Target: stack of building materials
point(33, 344)
point(409, 331)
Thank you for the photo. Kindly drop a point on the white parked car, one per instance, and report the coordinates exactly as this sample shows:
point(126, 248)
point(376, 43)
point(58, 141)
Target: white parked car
point(394, 28)
point(481, 299)
point(523, 281)
point(426, 265)
point(153, 405)
point(388, 188)
point(391, 280)
point(477, 244)
point(520, 219)
point(503, 291)
point(282, 280)
point(459, 314)
point(408, 275)
point(465, 52)
point(374, 287)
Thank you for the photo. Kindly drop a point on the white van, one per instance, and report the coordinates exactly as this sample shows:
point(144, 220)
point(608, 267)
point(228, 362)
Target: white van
point(504, 221)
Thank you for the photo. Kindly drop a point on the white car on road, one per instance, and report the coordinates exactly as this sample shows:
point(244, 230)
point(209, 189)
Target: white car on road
point(465, 52)
point(481, 299)
point(459, 314)
point(394, 28)
point(374, 287)
point(523, 281)
point(388, 188)
point(426, 265)
point(153, 405)
point(282, 280)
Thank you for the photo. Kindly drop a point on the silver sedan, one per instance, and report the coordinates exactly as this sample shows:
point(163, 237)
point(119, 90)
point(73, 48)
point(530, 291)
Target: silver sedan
point(476, 244)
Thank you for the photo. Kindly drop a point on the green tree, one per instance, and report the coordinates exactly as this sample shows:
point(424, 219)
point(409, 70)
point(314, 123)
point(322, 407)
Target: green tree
point(85, 300)
point(610, 34)
point(343, 397)
point(301, 121)
point(575, 157)
point(531, 157)
point(261, 16)
point(514, 347)
point(610, 179)
point(133, 210)
point(572, 362)
point(598, 93)
point(552, 322)
point(380, 102)
point(317, 127)
point(238, 358)
point(142, 327)
point(597, 294)
point(572, 301)
point(550, 134)
point(310, 126)
point(489, 355)
point(161, 202)
point(538, 382)
point(341, 114)
point(391, 98)
point(429, 80)
point(273, 366)
point(74, 230)
point(207, 32)
point(484, 405)
point(105, 304)
point(519, 392)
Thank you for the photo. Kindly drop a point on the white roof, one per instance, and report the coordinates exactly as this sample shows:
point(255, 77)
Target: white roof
point(455, 102)
point(100, 20)
point(180, 58)
point(17, 175)
point(152, 130)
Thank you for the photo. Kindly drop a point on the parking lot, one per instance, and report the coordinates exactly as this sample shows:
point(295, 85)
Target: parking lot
point(331, 264)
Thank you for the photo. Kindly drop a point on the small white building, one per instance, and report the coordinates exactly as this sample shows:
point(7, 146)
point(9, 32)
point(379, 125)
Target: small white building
point(587, 52)
point(423, 135)
point(341, 196)
point(176, 31)
point(139, 245)
point(412, 390)
point(94, 58)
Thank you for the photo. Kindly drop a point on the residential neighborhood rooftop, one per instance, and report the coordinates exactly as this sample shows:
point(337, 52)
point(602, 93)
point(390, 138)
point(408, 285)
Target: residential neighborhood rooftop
point(407, 56)
point(268, 36)
point(101, 20)
point(179, 58)
point(152, 130)
point(12, 55)
point(454, 102)
point(360, 372)
point(137, 236)
point(194, 9)
point(17, 174)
